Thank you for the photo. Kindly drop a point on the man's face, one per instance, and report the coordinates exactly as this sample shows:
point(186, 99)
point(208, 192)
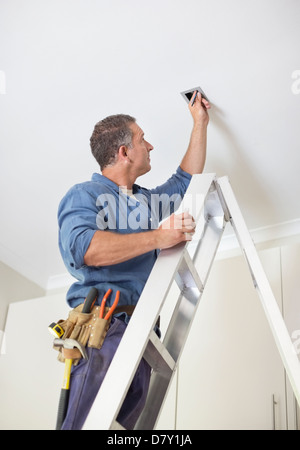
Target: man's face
point(139, 153)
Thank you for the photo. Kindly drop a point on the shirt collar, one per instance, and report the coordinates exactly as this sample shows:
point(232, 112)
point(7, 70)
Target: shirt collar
point(99, 178)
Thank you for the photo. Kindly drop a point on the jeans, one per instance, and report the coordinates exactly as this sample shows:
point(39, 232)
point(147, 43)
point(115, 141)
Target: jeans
point(87, 377)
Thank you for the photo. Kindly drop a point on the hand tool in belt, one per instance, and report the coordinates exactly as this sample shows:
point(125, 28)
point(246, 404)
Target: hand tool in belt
point(112, 308)
point(68, 345)
point(90, 300)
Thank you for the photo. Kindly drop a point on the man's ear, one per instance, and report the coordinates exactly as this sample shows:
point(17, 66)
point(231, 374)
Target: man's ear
point(123, 150)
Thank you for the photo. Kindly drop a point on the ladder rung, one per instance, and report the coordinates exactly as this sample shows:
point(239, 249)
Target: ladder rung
point(188, 274)
point(158, 357)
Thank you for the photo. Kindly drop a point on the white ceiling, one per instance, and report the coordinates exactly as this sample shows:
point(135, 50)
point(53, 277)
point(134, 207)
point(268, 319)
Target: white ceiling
point(69, 63)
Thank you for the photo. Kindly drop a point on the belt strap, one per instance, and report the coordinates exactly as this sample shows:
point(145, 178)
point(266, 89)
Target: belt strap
point(128, 309)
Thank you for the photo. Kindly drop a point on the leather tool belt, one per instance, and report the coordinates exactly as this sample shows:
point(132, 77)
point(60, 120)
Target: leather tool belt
point(88, 329)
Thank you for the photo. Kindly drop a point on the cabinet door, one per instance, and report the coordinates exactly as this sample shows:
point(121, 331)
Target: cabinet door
point(290, 262)
point(230, 373)
point(290, 256)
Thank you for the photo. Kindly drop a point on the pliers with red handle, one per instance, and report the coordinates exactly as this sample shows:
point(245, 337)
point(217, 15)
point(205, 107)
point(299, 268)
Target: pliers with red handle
point(113, 306)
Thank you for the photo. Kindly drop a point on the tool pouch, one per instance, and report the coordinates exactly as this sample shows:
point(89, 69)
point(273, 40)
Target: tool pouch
point(98, 332)
point(87, 329)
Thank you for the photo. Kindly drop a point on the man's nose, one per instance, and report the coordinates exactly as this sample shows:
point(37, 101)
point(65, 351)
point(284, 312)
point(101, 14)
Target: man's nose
point(150, 147)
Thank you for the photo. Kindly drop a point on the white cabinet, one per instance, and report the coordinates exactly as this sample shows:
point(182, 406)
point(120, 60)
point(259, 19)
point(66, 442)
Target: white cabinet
point(230, 373)
point(290, 263)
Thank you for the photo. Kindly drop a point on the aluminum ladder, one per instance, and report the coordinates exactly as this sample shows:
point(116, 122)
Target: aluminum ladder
point(212, 203)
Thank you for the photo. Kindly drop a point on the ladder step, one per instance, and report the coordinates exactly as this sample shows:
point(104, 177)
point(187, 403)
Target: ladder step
point(158, 357)
point(187, 276)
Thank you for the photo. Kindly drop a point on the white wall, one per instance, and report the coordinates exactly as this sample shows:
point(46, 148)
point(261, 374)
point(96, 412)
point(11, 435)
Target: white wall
point(14, 287)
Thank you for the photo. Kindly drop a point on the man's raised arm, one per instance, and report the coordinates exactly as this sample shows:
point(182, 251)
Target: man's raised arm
point(195, 156)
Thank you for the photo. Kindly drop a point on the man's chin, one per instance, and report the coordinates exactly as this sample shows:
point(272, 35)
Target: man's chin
point(147, 169)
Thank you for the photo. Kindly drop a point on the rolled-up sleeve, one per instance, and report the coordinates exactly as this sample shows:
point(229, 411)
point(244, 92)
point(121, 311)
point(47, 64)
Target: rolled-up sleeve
point(77, 214)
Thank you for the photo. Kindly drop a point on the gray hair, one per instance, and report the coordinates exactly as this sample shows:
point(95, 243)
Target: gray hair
point(108, 135)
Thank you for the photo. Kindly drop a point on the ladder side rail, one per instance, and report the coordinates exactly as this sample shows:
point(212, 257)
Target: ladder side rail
point(215, 215)
point(138, 332)
point(200, 260)
point(182, 317)
point(200, 254)
point(261, 283)
point(202, 251)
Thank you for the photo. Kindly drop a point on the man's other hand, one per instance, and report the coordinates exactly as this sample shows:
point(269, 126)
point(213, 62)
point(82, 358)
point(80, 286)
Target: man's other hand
point(177, 228)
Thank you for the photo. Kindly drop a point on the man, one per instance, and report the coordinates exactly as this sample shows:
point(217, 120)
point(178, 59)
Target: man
point(109, 238)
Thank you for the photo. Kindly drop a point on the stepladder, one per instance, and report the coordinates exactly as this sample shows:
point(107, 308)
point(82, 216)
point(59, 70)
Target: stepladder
point(212, 203)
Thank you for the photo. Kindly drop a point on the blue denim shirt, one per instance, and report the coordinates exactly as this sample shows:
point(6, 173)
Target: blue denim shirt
point(99, 204)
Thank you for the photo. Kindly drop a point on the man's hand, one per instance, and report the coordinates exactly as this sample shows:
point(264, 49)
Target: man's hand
point(198, 109)
point(177, 228)
point(195, 156)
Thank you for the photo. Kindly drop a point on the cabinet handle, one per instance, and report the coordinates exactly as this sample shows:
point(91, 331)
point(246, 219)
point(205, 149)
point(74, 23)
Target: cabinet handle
point(296, 414)
point(274, 403)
